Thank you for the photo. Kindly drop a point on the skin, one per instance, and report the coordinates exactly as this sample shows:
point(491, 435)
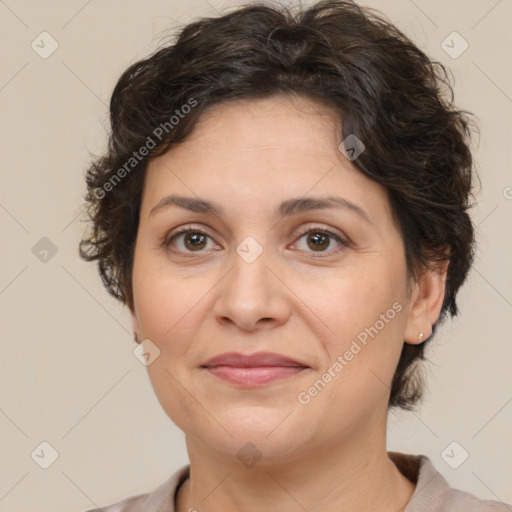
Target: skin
point(296, 299)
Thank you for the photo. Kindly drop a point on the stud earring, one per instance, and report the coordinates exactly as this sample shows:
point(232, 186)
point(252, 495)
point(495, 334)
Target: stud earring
point(421, 337)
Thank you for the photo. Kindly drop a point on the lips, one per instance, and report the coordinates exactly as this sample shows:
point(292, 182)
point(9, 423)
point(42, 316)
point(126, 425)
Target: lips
point(259, 359)
point(253, 370)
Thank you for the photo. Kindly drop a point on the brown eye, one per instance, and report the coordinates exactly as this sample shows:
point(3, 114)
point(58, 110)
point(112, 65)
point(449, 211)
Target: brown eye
point(317, 240)
point(189, 240)
point(195, 241)
point(320, 241)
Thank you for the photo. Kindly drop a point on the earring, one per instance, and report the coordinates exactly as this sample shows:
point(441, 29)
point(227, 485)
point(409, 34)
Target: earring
point(421, 337)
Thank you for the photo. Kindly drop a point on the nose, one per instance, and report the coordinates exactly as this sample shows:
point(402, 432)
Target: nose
point(252, 295)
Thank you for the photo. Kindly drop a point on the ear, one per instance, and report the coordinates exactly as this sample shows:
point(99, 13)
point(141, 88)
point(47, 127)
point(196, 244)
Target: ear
point(426, 302)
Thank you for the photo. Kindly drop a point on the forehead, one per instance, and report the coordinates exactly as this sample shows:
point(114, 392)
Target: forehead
point(257, 124)
point(262, 150)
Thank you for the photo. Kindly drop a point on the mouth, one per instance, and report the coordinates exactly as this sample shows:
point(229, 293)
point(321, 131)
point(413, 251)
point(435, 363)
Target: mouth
point(255, 369)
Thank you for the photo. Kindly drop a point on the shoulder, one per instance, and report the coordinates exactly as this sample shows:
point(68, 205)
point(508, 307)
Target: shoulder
point(162, 498)
point(461, 501)
point(434, 494)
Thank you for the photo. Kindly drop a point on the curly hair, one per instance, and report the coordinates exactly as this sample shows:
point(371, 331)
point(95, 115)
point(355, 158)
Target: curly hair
point(385, 90)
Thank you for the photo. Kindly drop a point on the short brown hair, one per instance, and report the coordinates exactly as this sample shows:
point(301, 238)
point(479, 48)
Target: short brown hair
point(385, 90)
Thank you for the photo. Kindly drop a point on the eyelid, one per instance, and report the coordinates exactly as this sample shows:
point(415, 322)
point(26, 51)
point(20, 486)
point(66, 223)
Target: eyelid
point(323, 228)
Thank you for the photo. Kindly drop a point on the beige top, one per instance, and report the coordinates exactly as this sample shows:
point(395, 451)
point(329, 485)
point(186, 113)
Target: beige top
point(432, 493)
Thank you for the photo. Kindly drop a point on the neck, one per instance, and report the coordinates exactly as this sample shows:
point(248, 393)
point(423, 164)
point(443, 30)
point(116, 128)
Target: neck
point(356, 476)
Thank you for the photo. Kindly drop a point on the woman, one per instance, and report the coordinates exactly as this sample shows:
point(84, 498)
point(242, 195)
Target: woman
point(283, 208)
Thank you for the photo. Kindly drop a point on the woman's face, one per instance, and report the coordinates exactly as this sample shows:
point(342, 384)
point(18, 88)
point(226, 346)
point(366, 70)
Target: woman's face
point(264, 271)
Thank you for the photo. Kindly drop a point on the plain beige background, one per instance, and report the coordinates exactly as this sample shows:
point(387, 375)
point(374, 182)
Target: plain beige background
point(68, 374)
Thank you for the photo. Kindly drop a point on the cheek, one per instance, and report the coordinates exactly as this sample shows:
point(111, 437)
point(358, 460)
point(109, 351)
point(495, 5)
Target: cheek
point(162, 301)
point(171, 311)
point(362, 300)
point(167, 309)
point(366, 312)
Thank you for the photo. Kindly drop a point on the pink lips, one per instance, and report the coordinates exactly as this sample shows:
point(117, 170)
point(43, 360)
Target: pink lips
point(253, 370)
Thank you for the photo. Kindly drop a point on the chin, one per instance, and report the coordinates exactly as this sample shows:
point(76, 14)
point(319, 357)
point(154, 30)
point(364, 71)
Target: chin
point(254, 433)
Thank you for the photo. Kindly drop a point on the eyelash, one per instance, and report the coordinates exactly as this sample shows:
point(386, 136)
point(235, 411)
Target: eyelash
point(315, 229)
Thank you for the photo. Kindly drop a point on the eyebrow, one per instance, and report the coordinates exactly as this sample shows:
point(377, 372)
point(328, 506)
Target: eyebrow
point(286, 208)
